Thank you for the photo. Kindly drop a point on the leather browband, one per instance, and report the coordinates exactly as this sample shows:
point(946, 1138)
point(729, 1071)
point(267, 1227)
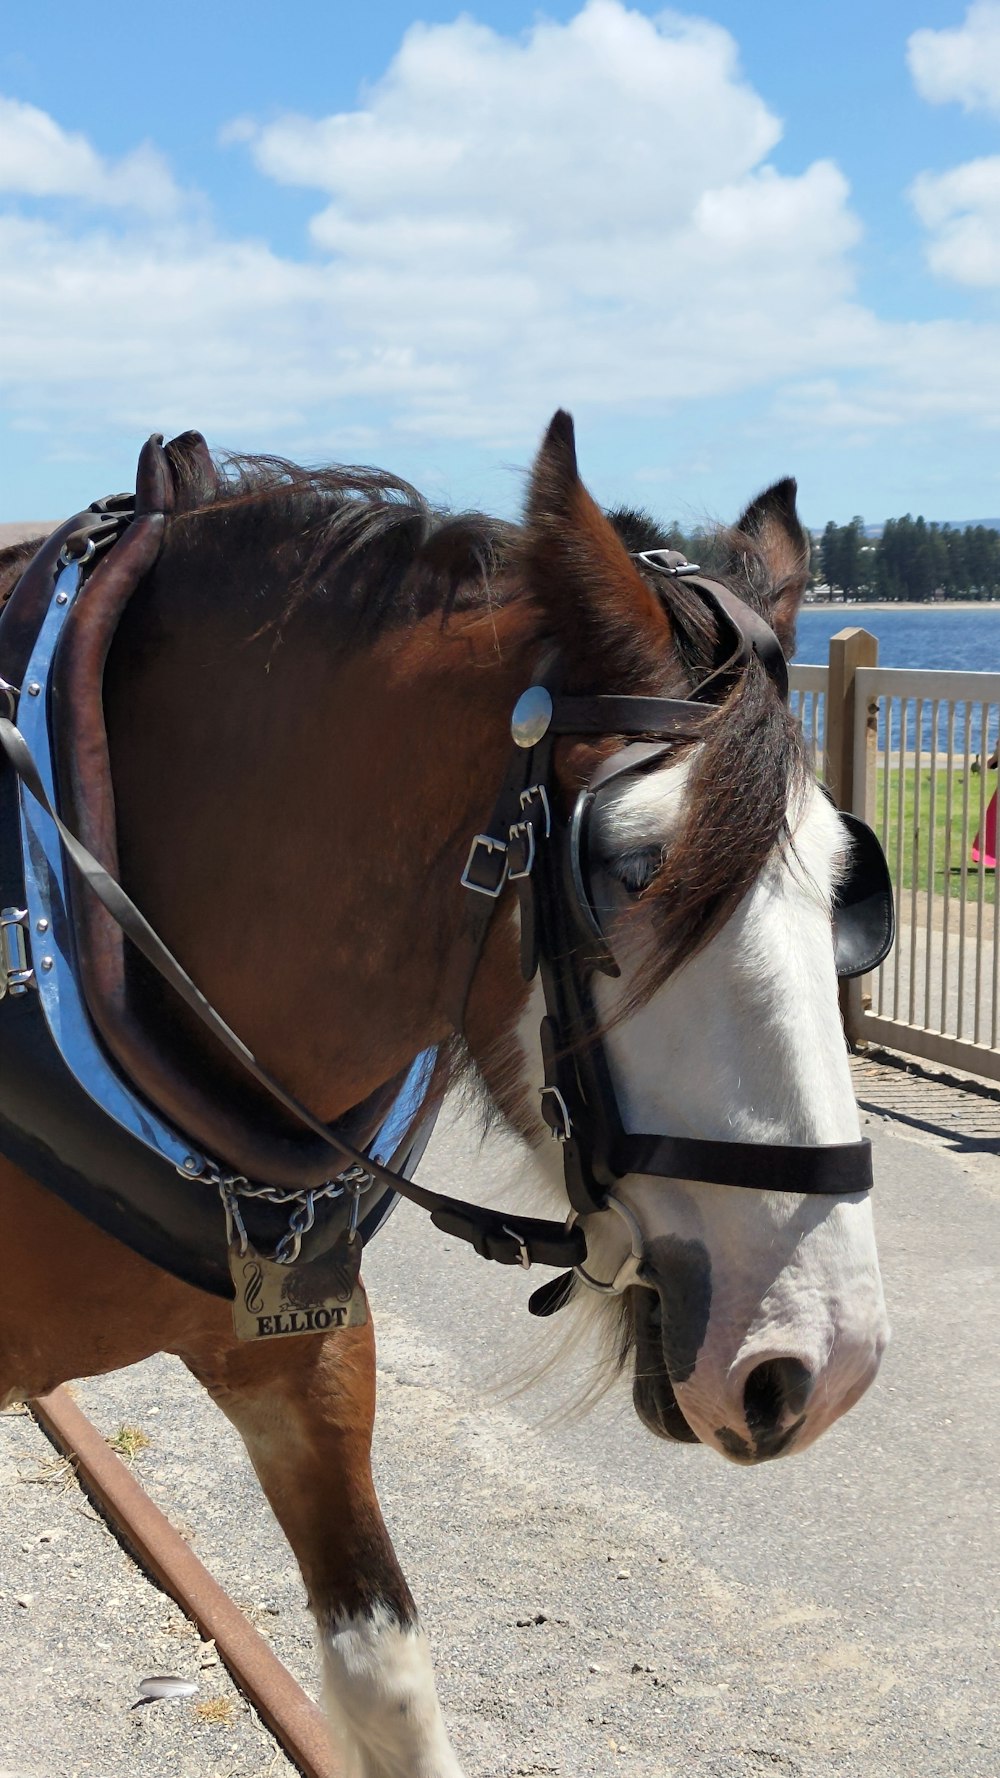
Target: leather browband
point(671, 718)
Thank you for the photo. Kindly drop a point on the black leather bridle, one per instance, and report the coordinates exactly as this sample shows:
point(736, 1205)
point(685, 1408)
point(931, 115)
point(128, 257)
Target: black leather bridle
point(563, 937)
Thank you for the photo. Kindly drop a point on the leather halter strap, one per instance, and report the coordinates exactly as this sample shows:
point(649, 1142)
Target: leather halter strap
point(748, 632)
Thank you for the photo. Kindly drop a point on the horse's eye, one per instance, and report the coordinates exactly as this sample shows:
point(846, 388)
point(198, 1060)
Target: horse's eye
point(636, 870)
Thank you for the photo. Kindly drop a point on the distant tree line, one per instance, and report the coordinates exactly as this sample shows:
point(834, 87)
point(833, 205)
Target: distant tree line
point(911, 559)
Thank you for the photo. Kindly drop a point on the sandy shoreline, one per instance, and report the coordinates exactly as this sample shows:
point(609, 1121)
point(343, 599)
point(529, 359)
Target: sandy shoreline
point(17, 533)
point(853, 609)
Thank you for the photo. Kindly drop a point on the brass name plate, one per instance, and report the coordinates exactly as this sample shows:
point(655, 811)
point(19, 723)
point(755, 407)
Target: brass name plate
point(273, 1301)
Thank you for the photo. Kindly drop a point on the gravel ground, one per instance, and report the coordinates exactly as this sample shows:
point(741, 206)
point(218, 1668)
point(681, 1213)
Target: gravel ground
point(599, 1603)
point(80, 1626)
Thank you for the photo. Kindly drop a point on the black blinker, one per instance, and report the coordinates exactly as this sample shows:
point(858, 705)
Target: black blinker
point(864, 919)
point(581, 899)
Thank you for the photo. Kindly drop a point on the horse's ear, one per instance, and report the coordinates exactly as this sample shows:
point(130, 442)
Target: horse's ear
point(612, 629)
point(771, 549)
point(195, 476)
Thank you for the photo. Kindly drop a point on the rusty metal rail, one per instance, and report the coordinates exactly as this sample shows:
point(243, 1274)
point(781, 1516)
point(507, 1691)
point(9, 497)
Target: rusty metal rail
point(291, 1716)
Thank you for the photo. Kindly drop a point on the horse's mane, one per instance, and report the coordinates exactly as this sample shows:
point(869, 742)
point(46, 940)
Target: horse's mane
point(14, 559)
point(359, 540)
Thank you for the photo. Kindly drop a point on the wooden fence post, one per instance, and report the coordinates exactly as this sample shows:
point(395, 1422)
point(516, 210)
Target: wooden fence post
point(849, 778)
point(849, 650)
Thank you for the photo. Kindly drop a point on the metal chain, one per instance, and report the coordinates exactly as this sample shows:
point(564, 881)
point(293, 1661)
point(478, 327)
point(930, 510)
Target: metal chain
point(354, 1180)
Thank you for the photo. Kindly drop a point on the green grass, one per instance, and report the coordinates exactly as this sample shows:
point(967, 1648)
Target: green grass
point(940, 846)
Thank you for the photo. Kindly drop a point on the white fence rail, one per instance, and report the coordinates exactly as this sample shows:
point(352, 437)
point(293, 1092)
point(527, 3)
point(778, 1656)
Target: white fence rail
point(909, 751)
point(808, 700)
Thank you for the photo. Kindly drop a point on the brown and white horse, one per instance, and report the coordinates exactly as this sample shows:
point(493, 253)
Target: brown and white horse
point(308, 706)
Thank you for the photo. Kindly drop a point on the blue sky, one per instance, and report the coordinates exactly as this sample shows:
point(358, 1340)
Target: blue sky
point(736, 242)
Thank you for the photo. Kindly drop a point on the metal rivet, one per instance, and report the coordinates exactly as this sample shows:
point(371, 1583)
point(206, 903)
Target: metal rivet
point(190, 1164)
point(47, 963)
point(34, 689)
point(62, 598)
point(41, 926)
point(531, 716)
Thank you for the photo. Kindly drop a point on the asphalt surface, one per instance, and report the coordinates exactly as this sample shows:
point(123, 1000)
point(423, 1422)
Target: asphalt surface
point(598, 1602)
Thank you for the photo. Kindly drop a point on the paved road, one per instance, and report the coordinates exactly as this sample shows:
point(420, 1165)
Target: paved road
point(599, 1603)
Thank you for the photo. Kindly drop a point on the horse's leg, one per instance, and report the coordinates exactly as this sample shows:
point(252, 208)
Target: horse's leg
point(304, 1407)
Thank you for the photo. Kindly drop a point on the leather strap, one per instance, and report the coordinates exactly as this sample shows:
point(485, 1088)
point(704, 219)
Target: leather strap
point(484, 879)
point(837, 1170)
point(668, 718)
point(754, 635)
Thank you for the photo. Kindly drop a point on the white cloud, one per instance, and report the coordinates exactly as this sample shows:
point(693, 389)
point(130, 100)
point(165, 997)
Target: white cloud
point(38, 159)
point(573, 130)
point(962, 63)
point(505, 224)
point(553, 214)
point(961, 211)
point(585, 215)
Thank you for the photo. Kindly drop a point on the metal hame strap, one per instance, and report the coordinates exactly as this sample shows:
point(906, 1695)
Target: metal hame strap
point(354, 1181)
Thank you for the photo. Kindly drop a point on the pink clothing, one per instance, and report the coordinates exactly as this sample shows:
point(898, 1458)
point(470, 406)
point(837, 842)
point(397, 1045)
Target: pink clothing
point(990, 848)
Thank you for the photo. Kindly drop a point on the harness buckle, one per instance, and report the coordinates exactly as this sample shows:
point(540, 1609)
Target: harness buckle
point(486, 866)
point(16, 973)
point(557, 1115)
point(523, 1256)
point(522, 849)
point(538, 793)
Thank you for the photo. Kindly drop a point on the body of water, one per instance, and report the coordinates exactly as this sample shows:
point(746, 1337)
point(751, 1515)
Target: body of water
point(937, 636)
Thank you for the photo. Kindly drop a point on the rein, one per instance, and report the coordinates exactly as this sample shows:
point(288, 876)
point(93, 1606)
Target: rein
point(523, 847)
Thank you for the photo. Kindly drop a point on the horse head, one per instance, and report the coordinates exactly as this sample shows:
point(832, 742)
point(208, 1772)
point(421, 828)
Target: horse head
point(755, 1317)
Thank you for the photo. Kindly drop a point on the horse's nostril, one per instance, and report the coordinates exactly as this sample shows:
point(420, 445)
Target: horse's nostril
point(774, 1393)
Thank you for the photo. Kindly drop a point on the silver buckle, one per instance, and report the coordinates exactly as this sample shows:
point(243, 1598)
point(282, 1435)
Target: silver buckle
point(523, 1256)
point(566, 1132)
point(522, 828)
point(490, 845)
point(16, 973)
point(655, 558)
point(528, 796)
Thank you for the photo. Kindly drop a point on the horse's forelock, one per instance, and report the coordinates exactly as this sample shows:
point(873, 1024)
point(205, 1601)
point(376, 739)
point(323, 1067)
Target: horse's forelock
point(744, 771)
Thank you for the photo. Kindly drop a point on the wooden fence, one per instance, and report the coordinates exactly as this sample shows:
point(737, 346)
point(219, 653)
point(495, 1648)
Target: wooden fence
point(910, 751)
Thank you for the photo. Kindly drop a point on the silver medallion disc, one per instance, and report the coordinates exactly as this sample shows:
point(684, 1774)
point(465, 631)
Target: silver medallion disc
point(531, 716)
